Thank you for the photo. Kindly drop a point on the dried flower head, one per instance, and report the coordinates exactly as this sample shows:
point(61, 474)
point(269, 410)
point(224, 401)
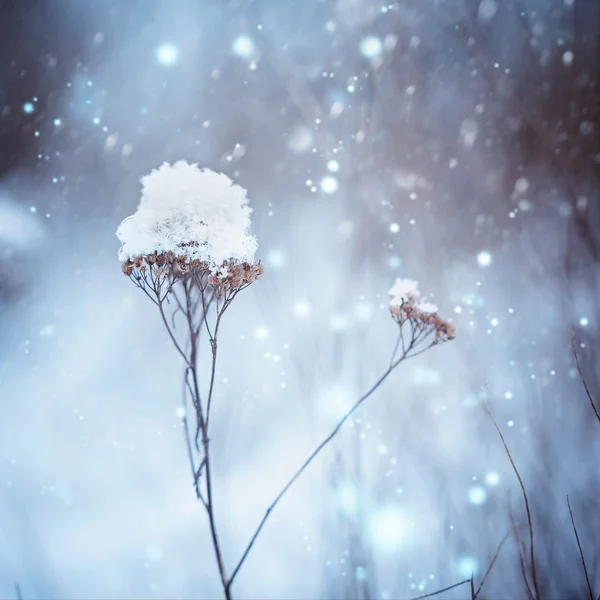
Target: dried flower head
point(191, 225)
point(194, 214)
point(404, 290)
point(422, 316)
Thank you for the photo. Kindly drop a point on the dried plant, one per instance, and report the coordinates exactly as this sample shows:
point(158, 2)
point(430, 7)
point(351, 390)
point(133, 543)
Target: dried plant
point(190, 277)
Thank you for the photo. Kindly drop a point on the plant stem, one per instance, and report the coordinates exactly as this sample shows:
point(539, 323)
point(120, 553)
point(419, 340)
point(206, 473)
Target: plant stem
point(209, 497)
point(527, 509)
point(307, 463)
point(585, 571)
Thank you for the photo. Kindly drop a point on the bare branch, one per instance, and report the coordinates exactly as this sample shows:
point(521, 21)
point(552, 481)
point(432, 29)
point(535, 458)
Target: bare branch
point(186, 431)
point(171, 334)
point(307, 463)
point(529, 520)
point(493, 562)
point(396, 347)
point(405, 355)
point(587, 390)
point(521, 551)
point(446, 589)
point(587, 579)
point(213, 367)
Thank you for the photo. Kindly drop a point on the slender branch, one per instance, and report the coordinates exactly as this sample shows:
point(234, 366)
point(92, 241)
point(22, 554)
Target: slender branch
point(402, 339)
point(209, 497)
point(587, 390)
point(173, 339)
point(529, 520)
point(446, 589)
point(521, 550)
point(18, 591)
point(587, 579)
point(396, 347)
point(213, 344)
point(421, 351)
point(213, 367)
point(223, 299)
point(309, 460)
point(174, 294)
point(205, 312)
point(493, 562)
point(137, 280)
point(405, 355)
point(195, 472)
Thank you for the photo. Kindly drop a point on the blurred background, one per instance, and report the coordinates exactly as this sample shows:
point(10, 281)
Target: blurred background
point(454, 142)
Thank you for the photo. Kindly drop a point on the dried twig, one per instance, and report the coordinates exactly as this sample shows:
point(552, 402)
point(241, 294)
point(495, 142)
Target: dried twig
point(521, 551)
point(493, 562)
point(587, 390)
point(200, 288)
point(407, 354)
point(529, 520)
point(446, 589)
point(587, 579)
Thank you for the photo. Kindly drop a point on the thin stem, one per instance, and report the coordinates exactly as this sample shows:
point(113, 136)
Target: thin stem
point(173, 339)
point(422, 350)
point(209, 497)
point(529, 521)
point(137, 281)
point(213, 345)
point(405, 355)
point(204, 313)
point(587, 390)
point(188, 443)
point(521, 550)
point(198, 406)
point(496, 555)
point(309, 460)
point(587, 579)
point(396, 347)
point(446, 589)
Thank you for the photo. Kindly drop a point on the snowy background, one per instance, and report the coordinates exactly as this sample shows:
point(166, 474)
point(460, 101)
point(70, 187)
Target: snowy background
point(456, 142)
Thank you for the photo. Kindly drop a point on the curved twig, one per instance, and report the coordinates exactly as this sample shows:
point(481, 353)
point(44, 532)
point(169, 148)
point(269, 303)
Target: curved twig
point(587, 579)
point(528, 511)
point(587, 390)
point(446, 589)
point(493, 562)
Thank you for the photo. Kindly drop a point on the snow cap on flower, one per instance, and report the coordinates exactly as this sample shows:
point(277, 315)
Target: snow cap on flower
point(194, 213)
point(423, 317)
point(403, 290)
point(427, 307)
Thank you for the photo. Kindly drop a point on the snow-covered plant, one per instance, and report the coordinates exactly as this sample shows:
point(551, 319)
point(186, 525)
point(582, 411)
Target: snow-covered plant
point(422, 316)
point(188, 247)
point(194, 213)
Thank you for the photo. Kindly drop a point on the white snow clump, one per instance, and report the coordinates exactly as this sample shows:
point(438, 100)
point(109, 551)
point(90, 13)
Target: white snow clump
point(195, 213)
point(427, 307)
point(404, 290)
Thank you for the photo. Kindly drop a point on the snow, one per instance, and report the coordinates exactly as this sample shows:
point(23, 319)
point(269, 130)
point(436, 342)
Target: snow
point(428, 307)
point(402, 290)
point(192, 212)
